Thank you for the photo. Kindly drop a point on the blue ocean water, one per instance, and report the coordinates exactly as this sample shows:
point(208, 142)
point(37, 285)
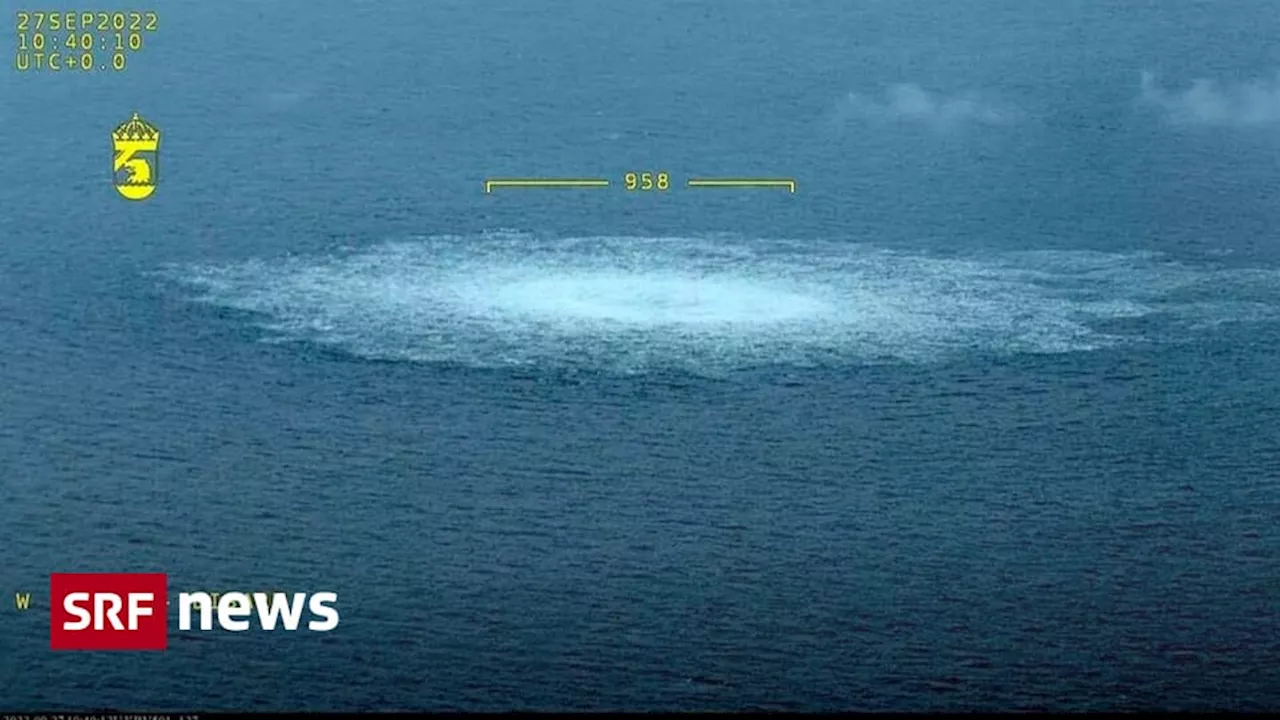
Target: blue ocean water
point(983, 416)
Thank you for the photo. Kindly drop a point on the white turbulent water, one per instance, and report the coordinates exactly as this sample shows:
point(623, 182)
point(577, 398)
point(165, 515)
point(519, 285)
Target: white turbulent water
point(713, 303)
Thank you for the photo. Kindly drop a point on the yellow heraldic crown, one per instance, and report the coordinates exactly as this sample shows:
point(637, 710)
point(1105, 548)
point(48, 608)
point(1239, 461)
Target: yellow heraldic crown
point(135, 128)
point(134, 173)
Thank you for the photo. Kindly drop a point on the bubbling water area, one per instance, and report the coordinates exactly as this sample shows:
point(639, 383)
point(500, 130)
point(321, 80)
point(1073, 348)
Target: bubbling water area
point(704, 304)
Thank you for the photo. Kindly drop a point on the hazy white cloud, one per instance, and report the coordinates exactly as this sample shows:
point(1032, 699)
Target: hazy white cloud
point(907, 102)
point(1256, 102)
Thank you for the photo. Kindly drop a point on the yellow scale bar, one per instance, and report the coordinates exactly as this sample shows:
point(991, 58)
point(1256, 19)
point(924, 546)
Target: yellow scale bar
point(744, 182)
point(489, 185)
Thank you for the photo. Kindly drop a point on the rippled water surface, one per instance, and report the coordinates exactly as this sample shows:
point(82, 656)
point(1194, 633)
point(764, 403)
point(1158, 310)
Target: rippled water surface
point(981, 417)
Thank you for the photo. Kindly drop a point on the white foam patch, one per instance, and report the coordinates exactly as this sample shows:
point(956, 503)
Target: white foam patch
point(1245, 104)
point(639, 299)
point(706, 304)
point(908, 102)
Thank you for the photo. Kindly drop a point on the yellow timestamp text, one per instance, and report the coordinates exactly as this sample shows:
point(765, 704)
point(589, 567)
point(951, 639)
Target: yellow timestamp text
point(80, 40)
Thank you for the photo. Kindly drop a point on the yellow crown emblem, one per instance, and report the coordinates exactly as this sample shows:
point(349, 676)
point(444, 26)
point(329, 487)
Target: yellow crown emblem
point(136, 143)
point(136, 129)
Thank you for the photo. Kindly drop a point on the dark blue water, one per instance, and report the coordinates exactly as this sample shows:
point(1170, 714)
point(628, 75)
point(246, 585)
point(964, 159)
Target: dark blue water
point(984, 416)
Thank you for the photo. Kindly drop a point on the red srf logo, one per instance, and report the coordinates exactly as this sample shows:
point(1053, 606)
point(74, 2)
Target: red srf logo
point(108, 611)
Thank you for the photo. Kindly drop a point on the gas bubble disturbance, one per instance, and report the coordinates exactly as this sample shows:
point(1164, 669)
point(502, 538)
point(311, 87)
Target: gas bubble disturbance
point(714, 303)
